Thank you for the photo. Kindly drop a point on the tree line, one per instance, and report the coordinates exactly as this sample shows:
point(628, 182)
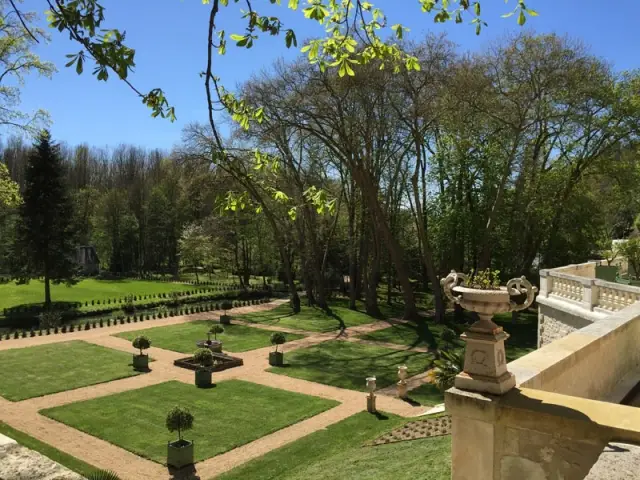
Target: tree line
point(515, 158)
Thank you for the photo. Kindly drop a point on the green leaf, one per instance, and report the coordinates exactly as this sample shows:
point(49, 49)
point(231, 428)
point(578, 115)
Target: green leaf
point(398, 29)
point(236, 37)
point(522, 19)
point(532, 13)
point(293, 4)
point(507, 15)
point(79, 68)
point(477, 8)
point(290, 39)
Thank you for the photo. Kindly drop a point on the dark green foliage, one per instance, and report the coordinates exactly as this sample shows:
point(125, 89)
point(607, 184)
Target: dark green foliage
point(204, 357)
point(178, 420)
point(103, 475)
point(278, 338)
point(44, 244)
point(142, 343)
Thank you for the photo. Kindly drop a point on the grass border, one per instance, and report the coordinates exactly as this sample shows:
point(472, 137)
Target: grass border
point(64, 459)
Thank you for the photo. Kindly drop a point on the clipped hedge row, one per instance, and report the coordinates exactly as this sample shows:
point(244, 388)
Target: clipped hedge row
point(121, 320)
point(15, 320)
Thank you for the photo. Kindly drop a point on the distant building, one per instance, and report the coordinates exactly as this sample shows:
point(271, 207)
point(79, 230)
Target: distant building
point(88, 260)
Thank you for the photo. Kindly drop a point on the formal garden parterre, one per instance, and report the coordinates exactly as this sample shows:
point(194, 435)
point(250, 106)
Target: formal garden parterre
point(334, 351)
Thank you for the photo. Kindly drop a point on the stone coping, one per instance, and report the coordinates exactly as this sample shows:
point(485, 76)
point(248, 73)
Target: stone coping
point(550, 412)
point(565, 357)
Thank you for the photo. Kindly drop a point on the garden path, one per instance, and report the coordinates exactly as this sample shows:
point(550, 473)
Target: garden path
point(24, 415)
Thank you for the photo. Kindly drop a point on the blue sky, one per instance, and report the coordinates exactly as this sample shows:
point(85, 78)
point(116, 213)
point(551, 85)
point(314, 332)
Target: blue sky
point(170, 41)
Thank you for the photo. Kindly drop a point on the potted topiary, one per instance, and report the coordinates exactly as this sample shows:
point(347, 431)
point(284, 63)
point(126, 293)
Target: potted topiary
point(216, 345)
point(180, 452)
point(141, 362)
point(204, 358)
point(276, 358)
point(225, 319)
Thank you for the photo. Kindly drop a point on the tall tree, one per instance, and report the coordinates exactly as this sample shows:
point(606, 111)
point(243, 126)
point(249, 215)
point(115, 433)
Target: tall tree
point(44, 244)
point(17, 37)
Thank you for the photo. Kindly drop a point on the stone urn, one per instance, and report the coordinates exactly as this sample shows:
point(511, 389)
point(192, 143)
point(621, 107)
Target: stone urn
point(485, 366)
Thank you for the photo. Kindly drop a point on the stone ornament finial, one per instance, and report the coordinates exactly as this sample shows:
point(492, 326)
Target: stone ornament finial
point(517, 286)
point(449, 282)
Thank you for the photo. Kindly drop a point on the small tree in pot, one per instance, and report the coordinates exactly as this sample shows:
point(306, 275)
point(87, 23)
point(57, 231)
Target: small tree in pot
point(225, 318)
point(276, 358)
point(141, 362)
point(204, 358)
point(180, 452)
point(215, 330)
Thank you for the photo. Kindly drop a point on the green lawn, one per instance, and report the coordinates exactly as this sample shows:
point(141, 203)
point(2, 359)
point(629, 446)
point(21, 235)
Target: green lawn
point(182, 338)
point(427, 395)
point(45, 369)
point(346, 364)
point(422, 334)
point(231, 414)
point(522, 340)
point(312, 319)
point(337, 452)
point(12, 295)
point(72, 463)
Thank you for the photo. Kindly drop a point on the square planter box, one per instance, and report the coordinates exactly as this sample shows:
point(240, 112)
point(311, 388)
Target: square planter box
point(276, 359)
point(180, 454)
point(225, 319)
point(203, 378)
point(141, 363)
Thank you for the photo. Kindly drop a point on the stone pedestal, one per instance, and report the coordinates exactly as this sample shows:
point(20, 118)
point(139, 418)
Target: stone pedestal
point(371, 403)
point(402, 389)
point(485, 366)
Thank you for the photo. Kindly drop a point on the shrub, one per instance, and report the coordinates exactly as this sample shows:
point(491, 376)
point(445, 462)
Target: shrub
point(278, 338)
point(174, 299)
point(141, 343)
point(87, 326)
point(135, 319)
point(94, 324)
point(128, 319)
point(48, 331)
point(148, 316)
point(204, 357)
point(49, 319)
point(129, 306)
point(101, 323)
point(226, 305)
point(55, 329)
point(447, 368)
point(448, 335)
point(63, 329)
point(103, 475)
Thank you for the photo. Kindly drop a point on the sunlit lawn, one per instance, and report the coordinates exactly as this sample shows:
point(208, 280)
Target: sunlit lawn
point(182, 338)
point(347, 364)
point(86, 290)
point(338, 453)
point(45, 369)
point(313, 319)
point(227, 416)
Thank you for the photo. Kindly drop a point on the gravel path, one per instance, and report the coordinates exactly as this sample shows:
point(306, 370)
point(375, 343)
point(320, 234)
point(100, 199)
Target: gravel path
point(24, 415)
point(20, 463)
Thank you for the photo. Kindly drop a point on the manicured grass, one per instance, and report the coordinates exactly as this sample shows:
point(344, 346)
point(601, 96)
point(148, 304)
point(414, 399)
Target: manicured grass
point(522, 340)
point(312, 319)
point(421, 334)
point(54, 454)
point(426, 394)
point(182, 338)
point(337, 452)
point(45, 369)
point(86, 290)
point(229, 415)
point(523, 334)
point(347, 364)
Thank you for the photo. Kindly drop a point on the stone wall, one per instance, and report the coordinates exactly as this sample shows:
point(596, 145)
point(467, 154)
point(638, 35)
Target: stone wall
point(554, 323)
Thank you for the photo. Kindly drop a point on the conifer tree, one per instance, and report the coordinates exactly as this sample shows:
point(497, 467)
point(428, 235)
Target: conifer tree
point(45, 244)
